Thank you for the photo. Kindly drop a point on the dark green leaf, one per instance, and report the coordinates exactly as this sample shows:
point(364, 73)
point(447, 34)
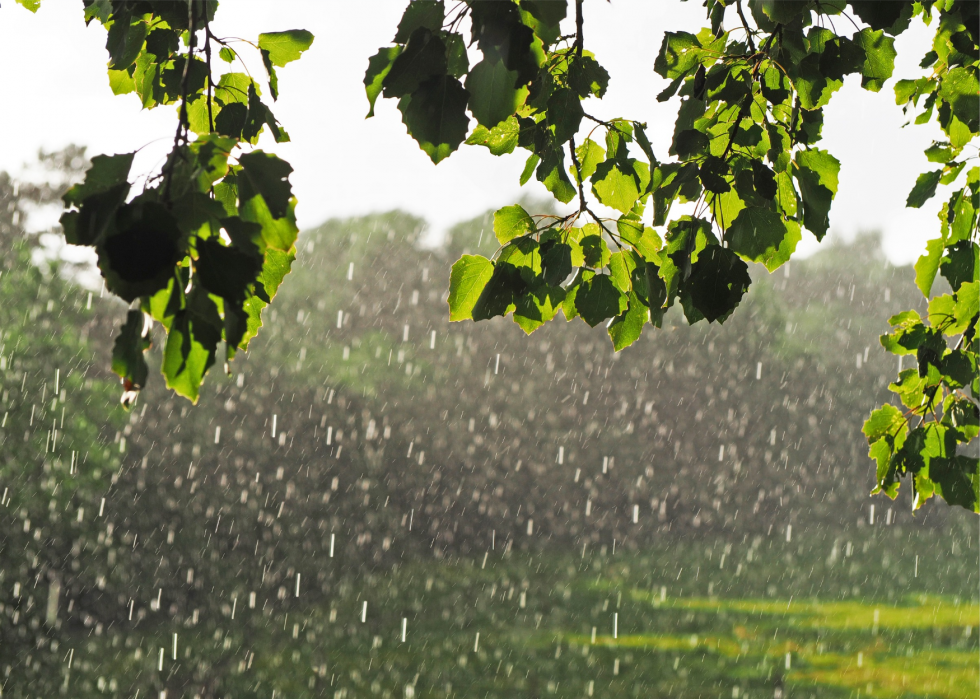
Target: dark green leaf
point(128, 360)
point(598, 299)
point(957, 481)
point(423, 59)
point(137, 258)
point(717, 283)
point(587, 77)
point(493, 94)
point(435, 115)
point(537, 306)
point(924, 189)
point(226, 271)
point(498, 296)
point(266, 175)
point(429, 14)
point(125, 40)
point(556, 263)
point(564, 114)
point(551, 173)
point(961, 263)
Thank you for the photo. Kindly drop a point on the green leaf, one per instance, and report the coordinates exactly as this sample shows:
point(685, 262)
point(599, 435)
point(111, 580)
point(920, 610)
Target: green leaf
point(928, 265)
point(493, 92)
point(536, 307)
point(589, 155)
point(285, 47)
point(967, 306)
point(941, 152)
point(226, 55)
point(960, 87)
point(627, 327)
point(467, 280)
point(275, 268)
point(121, 82)
point(879, 62)
point(500, 140)
point(621, 266)
point(598, 299)
point(232, 88)
point(435, 115)
point(619, 183)
point(761, 235)
point(886, 421)
point(924, 189)
point(420, 13)
point(717, 283)
point(191, 345)
point(32, 5)
point(816, 171)
point(378, 66)
point(511, 222)
point(128, 360)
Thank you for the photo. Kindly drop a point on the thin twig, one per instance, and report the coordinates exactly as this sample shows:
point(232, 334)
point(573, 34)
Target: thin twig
point(207, 54)
point(183, 121)
point(745, 23)
point(578, 28)
point(578, 175)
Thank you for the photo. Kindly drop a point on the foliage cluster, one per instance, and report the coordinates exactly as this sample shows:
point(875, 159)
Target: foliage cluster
point(753, 87)
point(203, 246)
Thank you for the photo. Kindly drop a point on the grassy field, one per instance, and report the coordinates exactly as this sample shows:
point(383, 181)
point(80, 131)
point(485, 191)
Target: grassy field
point(821, 618)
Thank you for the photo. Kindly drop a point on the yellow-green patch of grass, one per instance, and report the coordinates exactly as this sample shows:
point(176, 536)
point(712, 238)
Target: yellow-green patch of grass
point(923, 613)
point(945, 674)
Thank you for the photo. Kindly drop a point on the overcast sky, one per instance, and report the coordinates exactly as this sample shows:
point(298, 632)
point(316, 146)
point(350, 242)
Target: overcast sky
point(58, 93)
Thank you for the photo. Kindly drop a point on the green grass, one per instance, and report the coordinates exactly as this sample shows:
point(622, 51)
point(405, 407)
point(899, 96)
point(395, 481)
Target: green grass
point(737, 628)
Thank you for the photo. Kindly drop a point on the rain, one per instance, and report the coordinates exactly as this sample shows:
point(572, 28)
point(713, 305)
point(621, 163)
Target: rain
point(376, 502)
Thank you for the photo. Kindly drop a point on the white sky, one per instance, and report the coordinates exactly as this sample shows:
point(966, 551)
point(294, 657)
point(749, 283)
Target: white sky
point(344, 165)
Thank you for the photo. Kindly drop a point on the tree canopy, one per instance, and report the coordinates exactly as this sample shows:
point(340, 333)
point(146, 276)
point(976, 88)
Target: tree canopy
point(203, 247)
